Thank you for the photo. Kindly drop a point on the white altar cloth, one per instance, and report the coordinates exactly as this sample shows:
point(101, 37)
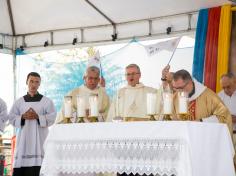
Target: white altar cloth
point(179, 148)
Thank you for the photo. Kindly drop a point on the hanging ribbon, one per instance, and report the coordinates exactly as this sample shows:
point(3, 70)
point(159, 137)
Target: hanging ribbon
point(212, 48)
point(224, 43)
point(199, 48)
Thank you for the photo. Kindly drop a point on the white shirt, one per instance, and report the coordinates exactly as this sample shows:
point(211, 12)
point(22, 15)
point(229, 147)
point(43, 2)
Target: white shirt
point(230, 102)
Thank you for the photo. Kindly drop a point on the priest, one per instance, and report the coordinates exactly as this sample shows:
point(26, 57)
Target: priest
point(31, 115)
point(130, 101)
point(204, 105)
point(91, 87)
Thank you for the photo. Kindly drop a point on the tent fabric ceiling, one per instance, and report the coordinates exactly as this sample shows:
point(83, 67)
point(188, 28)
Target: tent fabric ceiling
point(59, 21)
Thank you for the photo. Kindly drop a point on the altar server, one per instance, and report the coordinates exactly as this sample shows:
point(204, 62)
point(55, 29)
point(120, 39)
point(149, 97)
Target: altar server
point(31, 115)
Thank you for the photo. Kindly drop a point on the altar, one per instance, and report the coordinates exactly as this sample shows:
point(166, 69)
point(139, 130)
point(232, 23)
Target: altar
point(161, 148)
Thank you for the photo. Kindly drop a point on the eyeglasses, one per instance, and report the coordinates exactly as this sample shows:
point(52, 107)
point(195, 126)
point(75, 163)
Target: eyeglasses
point(132, 74)
point(181, 87)
point(90, 78)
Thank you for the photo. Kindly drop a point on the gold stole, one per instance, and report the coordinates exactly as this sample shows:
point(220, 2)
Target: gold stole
point(192, 110)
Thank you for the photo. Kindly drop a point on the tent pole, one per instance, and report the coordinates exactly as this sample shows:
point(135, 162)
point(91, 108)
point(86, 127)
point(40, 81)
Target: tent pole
point(14, 73)
point(11, 17)
point(14, 42)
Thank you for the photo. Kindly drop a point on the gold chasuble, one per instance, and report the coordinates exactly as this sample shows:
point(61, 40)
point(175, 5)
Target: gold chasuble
point(205, 105)
point(192, 110)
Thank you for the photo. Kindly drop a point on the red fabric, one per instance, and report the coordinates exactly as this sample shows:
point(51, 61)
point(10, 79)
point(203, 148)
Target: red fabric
point(192, 110)
point(211, 50)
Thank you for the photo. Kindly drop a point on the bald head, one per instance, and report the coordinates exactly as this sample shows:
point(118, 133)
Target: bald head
point(228, 83)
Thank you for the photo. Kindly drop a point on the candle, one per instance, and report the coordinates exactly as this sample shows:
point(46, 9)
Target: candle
point(151, 103)
point(68, 106)
point(117, 104)
point(93, 105)
point(183, 103)
point(158, 101)
point(167, 102)
point(80, 107)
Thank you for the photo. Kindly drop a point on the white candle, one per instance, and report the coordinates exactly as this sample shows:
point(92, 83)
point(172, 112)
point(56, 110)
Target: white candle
point(93, 105)
point(117, 104)
point(158, 101)
point(183, 103)
point(68, 106)
point(167, 103)
point(80, 107)
point(151, 103)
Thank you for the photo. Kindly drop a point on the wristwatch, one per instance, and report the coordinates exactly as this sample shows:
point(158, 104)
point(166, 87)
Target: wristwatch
point(163, 79)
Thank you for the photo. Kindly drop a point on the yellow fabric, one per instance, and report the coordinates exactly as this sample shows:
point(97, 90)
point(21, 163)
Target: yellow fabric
point(233, 8)
point(133, 119)
point(234, 143)
point(223, 43)
point(208, 104)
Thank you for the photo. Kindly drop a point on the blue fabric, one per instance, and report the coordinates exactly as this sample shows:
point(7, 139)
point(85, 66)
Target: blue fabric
point(19, 52)
point(199, 48)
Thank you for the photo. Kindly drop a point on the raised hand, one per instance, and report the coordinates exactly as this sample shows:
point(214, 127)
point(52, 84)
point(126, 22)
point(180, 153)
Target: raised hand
point(102, 82)
point(165, 71)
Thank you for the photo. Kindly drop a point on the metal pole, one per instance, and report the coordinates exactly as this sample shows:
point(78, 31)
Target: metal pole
point(14, 73)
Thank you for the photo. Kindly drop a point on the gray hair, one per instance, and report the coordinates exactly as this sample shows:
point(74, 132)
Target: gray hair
point(93, 69)
point(182, 74)
point(133, 65)
point(228, 75)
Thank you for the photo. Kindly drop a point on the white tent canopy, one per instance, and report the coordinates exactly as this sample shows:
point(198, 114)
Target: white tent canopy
point(29, 23)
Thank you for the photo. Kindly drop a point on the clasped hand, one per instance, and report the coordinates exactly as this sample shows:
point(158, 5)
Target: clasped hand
point(30, 114)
